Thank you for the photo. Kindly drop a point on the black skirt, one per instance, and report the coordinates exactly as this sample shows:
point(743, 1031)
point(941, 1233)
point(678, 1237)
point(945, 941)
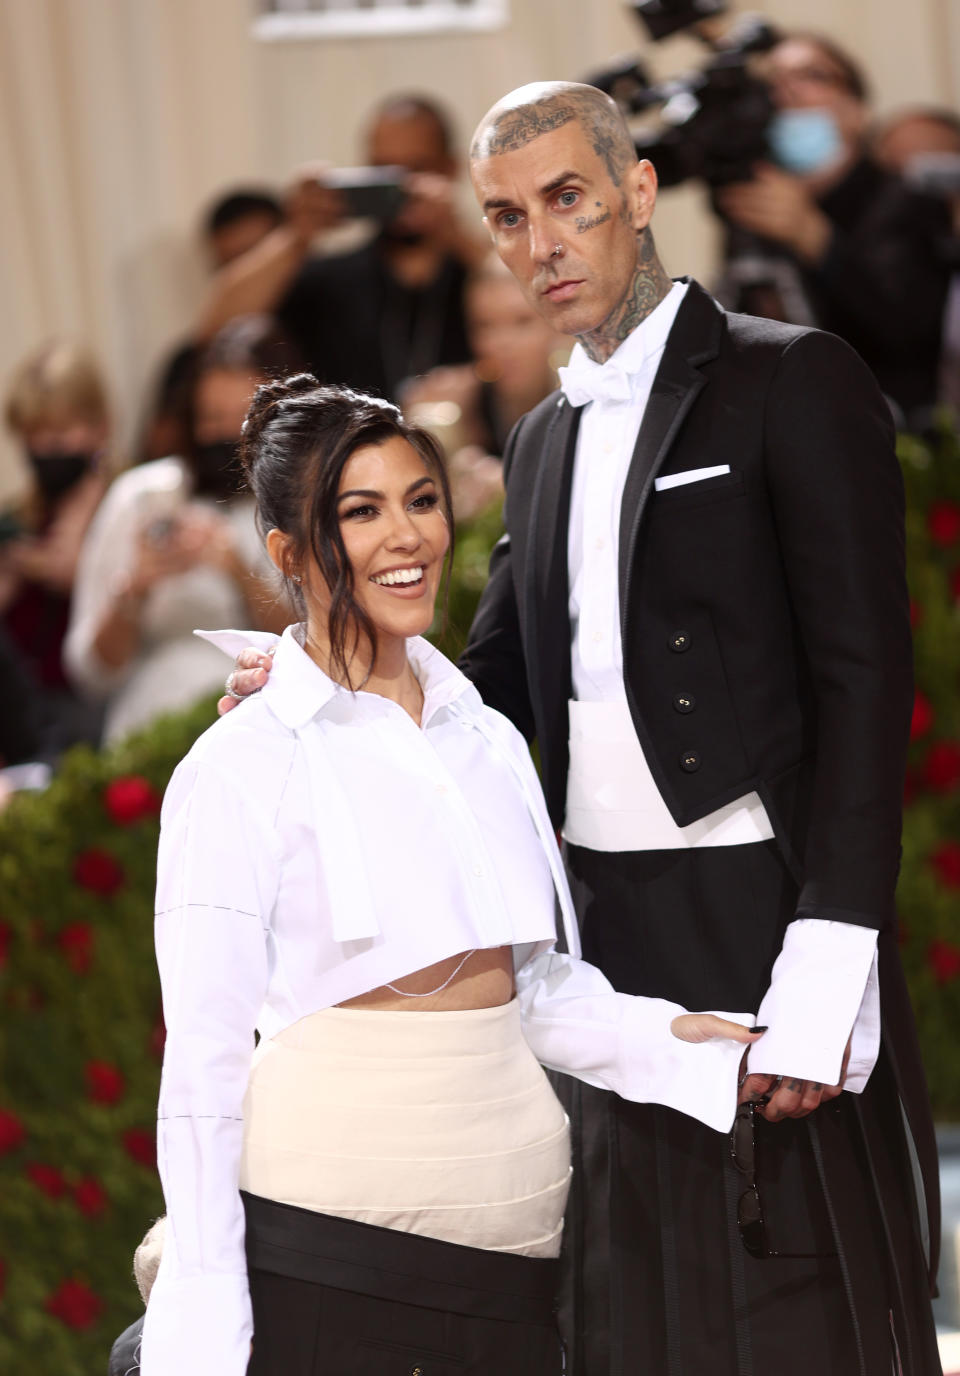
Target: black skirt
point(334, 1297)
point(657, 1279)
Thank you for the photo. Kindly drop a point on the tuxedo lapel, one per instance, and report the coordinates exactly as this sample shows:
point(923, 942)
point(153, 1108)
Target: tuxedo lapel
point(546, 584)
point(694, 338)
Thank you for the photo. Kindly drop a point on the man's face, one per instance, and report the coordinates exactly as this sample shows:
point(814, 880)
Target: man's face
point(803, 76)
point(556, 193)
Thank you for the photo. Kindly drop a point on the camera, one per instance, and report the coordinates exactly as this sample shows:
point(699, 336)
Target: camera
point(712, 122)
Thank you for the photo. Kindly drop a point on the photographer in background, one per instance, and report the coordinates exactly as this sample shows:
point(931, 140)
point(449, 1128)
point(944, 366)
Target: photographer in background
point(850, 248)
point(922, 145)
point(389, 310)
point(56, 407)
point(233, 224)
point(174, 547)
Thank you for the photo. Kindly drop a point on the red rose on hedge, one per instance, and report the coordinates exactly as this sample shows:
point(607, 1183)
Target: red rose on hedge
point(6, 935)
point(76, 943)
point(922, 718)
point(944, 960)
point(943, 522)
point(48, 1179)
point(12, 1131)
point(75, 1304)
point(89, 1196)
point(141, 1146)
point(946, 861)
point(941, 770)
point(98, 871)
point(105, 1083)
point(129, 799)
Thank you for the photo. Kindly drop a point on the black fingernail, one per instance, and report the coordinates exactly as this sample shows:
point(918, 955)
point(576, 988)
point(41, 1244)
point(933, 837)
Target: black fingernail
point(758, 1029)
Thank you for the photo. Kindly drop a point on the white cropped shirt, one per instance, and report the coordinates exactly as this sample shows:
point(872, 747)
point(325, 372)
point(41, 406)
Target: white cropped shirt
point(315, 844)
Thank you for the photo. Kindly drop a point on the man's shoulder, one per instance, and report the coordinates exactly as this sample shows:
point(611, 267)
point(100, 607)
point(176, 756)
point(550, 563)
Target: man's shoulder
point(532, 426)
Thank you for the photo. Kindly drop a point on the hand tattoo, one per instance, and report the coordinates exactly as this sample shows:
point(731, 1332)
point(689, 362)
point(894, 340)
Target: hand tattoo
point(794, 1086)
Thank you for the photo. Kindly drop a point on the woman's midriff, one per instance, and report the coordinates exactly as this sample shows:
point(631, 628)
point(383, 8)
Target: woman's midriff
point(485, 980)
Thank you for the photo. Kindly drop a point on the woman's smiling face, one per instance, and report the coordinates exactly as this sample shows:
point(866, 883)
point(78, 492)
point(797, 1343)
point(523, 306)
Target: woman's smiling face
point(395, 534)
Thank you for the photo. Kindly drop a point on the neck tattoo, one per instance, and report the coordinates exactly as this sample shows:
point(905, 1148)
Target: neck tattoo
point(647, 289)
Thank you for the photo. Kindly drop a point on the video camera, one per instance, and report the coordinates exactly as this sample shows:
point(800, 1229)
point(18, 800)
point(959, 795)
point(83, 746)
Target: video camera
point(712, 122)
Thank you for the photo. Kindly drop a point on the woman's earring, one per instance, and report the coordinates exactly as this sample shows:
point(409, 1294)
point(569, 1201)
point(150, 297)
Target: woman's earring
point(297, 579)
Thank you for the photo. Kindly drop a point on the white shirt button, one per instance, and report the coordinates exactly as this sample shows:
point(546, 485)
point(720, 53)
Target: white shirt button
point(599, 543)
point(478, 871)
point(597, 637)
point(608, 448)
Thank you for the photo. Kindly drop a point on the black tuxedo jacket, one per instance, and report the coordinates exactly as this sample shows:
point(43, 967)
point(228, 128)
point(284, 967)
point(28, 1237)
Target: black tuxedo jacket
point(764, 612)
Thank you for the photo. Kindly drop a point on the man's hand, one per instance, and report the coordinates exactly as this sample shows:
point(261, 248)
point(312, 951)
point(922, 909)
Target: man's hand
point(778, 206)
point(312, 207)
point(789, 1097)
point(251, 672)
point(705, 1027)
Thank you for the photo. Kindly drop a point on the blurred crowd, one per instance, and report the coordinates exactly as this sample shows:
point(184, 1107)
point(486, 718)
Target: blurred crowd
point(111, 559)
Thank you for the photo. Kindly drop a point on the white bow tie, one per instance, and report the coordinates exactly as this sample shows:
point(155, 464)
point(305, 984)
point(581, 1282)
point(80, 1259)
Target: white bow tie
point(587, 381)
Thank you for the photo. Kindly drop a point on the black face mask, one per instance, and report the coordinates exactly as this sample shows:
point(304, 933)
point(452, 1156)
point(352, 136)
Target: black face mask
point(216, 469)
point(55, 474)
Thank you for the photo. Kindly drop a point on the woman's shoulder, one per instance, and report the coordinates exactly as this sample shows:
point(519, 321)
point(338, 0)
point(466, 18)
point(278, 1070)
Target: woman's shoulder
point(247, 752)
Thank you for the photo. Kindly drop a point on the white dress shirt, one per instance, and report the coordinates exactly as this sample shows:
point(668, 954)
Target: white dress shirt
point(315, 844)
point(824, 983)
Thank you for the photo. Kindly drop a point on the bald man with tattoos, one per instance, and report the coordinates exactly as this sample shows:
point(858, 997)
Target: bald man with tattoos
point(698, 610)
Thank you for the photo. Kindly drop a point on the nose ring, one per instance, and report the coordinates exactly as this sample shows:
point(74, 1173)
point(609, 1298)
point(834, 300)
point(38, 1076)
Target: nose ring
point(557, 250)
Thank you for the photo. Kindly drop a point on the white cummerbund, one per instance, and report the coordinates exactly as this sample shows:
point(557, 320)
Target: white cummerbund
point(438, 1123)
point(613, 803)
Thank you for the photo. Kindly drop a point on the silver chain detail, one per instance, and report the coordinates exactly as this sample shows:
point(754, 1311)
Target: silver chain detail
point(440, 987)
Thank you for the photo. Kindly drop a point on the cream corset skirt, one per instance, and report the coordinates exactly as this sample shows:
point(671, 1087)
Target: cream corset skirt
point(435, 1123)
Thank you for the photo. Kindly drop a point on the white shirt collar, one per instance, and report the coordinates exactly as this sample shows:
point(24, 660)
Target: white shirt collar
point(298, 689)
point(630, 359)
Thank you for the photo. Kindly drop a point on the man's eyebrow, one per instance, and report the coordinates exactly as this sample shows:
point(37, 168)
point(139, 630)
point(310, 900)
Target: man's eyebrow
point(560, 180)
point(552, 185)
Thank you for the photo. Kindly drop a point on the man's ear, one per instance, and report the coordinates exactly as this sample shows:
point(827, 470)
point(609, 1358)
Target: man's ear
point(640, 187)
point(280, 550)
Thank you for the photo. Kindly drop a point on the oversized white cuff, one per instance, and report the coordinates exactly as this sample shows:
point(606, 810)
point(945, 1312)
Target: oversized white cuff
point(822, 989)
point(196, 1325)
point(574, 1021)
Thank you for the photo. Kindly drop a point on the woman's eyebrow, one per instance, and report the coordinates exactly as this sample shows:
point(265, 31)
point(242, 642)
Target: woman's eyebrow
point(380, 496)
point(360, 492)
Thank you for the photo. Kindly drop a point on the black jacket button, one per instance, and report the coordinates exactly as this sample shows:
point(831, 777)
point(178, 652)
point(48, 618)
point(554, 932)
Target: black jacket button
point(679, 642)
point(689, 762)
point(684, 702)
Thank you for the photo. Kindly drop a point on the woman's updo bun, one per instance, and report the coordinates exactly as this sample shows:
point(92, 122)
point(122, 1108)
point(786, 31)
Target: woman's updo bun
point(297, 438)
point(265, 401)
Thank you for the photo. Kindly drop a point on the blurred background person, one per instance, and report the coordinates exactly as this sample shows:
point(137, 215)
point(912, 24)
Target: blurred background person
point(472, 408)
point(844, 244)
point(56, 407)
point(390, 309)
point(235, 223)
point(922, 145)
point(174, 548)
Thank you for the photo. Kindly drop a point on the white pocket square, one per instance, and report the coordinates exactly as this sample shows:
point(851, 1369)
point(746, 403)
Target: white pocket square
point(692, 475)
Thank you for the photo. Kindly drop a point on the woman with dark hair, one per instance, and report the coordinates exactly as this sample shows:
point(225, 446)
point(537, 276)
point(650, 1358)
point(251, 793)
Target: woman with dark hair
point(174, 545)
point(359, 864)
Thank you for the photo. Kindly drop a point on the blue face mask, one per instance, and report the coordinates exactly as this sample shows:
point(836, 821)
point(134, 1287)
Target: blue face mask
point(805, 140)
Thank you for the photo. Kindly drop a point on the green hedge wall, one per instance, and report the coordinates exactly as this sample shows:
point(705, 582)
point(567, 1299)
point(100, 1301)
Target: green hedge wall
point(81, 1033)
